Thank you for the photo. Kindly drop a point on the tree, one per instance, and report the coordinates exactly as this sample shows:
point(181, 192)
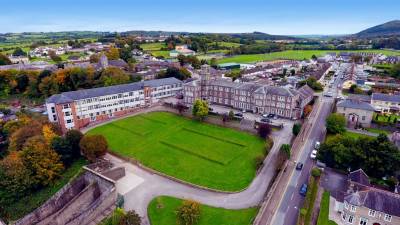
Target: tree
point(43, 162)
point(314, 57)
point(188, 213)
point(48, 133)
point(4, 60)
point(296, 129)
point(395, 70)
point(19, 52)
point(113, 53)
point(93, 146)
point(307, 110)
point(316, 172)
point(178, 73)
point(264, 130)
point(63, 148)
point(21, 135)
point(336, 123)
point(74, 137)
point(200, 109)
point(113, 76)
point(94, 58)
point(312, 83)
point(231, 115)
point(286, 150)
point(53, 56)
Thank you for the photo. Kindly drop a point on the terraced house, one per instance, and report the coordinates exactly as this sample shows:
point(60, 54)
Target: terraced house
point(77, 109)
point(258, 98)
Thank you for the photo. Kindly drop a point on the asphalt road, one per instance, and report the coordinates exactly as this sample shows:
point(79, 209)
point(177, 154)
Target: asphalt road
point(292, 201)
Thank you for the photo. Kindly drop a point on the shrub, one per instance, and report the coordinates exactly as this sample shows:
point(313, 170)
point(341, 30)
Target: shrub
point(188, 213)
point(336, 124)
point(259, 160)
point(316, 172)
point(264, 130)
point(296, 129)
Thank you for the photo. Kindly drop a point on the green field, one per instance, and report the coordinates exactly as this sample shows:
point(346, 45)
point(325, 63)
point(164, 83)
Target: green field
point(190, 150)
point(290, 55)
point(162, 211)
point(153, 46)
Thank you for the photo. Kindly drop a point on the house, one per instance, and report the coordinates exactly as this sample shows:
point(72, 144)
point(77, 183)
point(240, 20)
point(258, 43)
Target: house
point(258, 98)
point(77, 109)
point(182, 50)
point(363, 204)
point(385, 103)
point(357, 113)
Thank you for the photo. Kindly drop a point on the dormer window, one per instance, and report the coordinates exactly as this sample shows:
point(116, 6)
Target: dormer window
point(388, 218)
point(371, 213)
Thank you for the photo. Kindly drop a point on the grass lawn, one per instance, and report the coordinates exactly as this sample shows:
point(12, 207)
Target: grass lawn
point(162, 212)
point(193, 151)
point(153, 46)
point(378, 131)
point(323, 217)
point(31, 202)
point(291, 55)
point(348, 134)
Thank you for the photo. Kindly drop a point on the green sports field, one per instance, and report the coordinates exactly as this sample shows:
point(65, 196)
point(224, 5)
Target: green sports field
point(291, 55)
point(200, 153)
point(162, 211)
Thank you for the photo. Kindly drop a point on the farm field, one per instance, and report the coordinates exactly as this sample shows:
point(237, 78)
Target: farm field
point(291, 55)
point(162, 211)
point(196, 152)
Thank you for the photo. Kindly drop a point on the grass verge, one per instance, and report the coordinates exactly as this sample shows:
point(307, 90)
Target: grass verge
point(162, 211)
point(323, 217)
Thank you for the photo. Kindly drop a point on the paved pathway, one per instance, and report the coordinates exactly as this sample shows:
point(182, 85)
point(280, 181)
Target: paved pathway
point(145, 186)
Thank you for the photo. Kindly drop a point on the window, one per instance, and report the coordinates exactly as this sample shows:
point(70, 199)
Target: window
point(53, 110)
point(67, 113)
point(66, 106)
point(54, 117)
point(363, 221)
point(343, 216)
point(371, 213)
point(363, 118)
point(69, 121)
point(353, 208)
point(346, 205)
point(388, 218)
point(350, 219)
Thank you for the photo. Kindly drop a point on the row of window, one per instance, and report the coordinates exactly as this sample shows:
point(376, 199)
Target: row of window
point(371, 212)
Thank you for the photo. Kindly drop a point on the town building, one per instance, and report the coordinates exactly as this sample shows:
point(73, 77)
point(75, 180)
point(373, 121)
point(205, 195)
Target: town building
point(357, 113)
point(78, 109)
point(258, 98)
point(363, 204)
point(385, 103)
point(182, 50)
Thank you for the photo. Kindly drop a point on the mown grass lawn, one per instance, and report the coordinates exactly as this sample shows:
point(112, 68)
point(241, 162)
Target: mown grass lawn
point(162, 211)
point(323, 217)
point(291, 55)
point(190, 150)
point(348, 134)
point(29, 203)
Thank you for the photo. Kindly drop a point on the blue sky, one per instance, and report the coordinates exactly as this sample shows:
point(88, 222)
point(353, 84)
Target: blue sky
point(274, 17)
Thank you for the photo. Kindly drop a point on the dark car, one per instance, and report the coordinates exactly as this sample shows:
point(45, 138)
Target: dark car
point(239, 114)
point(303, 190)
point(265, 120)
point(299, 166)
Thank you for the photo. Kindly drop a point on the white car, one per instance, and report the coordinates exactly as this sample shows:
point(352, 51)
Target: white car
point(313, 154)
point(317, 145)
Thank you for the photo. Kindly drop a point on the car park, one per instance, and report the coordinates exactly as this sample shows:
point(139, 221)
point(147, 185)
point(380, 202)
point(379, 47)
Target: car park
point(313, 154)
point(303, 190)
point(299, 166)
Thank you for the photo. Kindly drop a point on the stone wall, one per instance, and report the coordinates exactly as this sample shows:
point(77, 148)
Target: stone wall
point(78, 203)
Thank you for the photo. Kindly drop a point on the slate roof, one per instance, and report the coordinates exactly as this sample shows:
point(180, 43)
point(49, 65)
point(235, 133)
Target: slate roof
point(363, 98)
point(96, 92)
point(359, 176)
point(378, 200)
point(276, 91)
point(353, 104)
point(386, 97)
point(305, 92)
point(360, 193)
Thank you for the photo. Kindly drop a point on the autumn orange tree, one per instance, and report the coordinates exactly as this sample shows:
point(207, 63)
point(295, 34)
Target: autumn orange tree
point(188, 213)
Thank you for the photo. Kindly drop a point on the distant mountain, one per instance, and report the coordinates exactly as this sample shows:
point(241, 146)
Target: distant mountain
point(391, 28)
point(262, 36)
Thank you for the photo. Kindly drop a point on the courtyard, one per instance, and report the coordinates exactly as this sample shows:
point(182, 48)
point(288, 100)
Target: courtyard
point(200, 153)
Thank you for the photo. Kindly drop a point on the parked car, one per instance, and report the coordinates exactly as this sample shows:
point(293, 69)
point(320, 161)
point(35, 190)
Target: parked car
point(317, 145)
point(265, 120)
point(328, 94)
point(303, 190)
point(265, 115)
point(299, 166)
point(239, 115)
point(313, 154)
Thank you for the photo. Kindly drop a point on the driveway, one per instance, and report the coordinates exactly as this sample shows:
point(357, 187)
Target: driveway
point(139, 186)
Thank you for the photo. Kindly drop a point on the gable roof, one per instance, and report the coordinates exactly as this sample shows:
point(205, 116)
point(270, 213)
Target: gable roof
point(359, 176)
point(354, 104)
point(96, 92)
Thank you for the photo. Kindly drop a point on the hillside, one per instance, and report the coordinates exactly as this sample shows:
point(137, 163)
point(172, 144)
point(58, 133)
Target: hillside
point(387, 29)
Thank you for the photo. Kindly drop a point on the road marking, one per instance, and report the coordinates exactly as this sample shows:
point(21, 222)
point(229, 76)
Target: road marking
point(291, 198)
